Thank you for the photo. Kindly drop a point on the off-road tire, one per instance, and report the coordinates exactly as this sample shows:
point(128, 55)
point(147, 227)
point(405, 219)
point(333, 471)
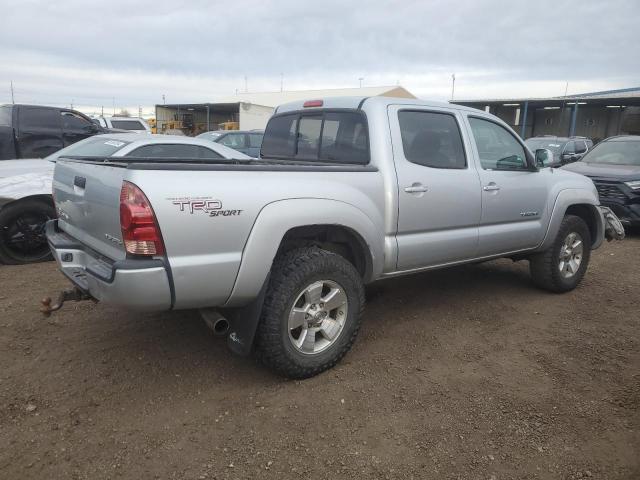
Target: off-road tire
point(290, 273)
point(544, 266)
point(8, 216)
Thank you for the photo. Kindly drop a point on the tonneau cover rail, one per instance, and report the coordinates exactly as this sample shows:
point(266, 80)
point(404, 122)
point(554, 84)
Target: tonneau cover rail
point(150, 163)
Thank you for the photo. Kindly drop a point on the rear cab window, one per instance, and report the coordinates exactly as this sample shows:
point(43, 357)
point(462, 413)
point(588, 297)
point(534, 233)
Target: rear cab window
point(127, 124)
point(91, 147)
point(174, 150)
point(333, 136)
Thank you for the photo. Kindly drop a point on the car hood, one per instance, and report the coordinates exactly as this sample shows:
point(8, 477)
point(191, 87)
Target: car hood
point(605, 170)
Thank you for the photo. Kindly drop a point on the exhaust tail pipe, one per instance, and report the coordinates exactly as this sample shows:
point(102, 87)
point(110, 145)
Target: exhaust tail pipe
point(218, 324)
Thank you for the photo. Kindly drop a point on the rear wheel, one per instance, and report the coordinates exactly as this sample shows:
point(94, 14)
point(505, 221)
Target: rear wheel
point(561, 267)
point(311, 313)
point(22, 235)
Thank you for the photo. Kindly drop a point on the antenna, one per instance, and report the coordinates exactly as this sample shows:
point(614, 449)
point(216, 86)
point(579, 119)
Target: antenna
point(453, 84)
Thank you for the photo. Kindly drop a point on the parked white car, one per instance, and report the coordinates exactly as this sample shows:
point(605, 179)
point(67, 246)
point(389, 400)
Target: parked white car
point(25, 185)
point(134, 124)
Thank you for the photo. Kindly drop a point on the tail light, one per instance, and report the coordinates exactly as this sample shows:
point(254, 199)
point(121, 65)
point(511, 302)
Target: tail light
point(140, 230)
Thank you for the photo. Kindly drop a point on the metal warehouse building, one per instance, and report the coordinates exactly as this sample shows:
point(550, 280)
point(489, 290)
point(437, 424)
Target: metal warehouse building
point(596, 115)
point(249, 111)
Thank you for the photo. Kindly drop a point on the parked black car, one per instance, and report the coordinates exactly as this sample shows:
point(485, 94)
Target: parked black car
point(247, 142)
point(565, 149)
point(32, 131)
point(614, 167)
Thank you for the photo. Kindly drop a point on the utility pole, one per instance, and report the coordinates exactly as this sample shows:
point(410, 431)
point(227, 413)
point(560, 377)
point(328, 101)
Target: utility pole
point(12, 99)
point(360, 80)
point(453, 85)
point(102, 110)
point(72, 104)
point(139, 111)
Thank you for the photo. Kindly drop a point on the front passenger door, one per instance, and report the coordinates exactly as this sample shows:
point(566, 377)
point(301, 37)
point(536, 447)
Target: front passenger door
point(514, 197)
point(76, 127)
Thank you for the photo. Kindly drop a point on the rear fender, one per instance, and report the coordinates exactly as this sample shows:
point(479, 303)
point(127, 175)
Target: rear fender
point(277, 218)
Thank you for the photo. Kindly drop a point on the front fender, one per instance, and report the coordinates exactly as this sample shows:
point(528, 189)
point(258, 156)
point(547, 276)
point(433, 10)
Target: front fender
point(565, 199)
point(277, 218)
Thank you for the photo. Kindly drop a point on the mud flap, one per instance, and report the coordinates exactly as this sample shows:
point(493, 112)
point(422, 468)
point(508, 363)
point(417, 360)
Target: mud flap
point(243, 323)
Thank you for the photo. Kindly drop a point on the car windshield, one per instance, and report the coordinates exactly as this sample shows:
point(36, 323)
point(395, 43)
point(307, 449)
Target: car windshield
point(98, 146)
point(615, 153)
point(550, 144)
point(127, 124)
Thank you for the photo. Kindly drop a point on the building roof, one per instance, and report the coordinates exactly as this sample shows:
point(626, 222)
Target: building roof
point(273, 99)
point(631, 95)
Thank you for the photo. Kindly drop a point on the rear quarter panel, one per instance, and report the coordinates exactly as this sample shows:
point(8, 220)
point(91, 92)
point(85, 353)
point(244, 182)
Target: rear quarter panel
point(205, 248)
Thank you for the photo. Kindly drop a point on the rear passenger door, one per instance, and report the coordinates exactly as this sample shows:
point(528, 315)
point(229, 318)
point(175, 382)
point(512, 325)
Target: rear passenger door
point(438, 187)
point(39, 131)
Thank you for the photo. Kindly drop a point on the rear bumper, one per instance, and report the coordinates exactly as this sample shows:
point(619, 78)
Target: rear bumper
point(131, 283)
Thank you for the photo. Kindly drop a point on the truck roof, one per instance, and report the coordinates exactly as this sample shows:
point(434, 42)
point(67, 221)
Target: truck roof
point(357, 102)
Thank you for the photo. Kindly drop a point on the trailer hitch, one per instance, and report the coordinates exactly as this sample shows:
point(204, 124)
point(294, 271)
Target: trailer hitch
point(74, 294)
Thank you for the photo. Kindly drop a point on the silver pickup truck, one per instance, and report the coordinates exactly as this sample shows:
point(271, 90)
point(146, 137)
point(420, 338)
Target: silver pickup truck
point(276, 251)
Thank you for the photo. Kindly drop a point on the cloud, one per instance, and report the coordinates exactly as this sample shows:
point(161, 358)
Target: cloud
point(134, 52)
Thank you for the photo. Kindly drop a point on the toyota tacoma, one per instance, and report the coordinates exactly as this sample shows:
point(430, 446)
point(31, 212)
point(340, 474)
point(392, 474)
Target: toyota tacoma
point(275, 252)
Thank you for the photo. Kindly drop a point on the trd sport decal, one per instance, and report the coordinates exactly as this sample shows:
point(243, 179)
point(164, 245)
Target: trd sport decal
point(208, 205)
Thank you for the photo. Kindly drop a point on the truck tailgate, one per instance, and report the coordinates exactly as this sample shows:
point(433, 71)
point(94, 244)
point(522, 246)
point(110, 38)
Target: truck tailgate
point(87, 197)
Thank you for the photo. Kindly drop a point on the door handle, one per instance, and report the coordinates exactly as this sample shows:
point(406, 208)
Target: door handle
point(491, 187)
point(416, 188)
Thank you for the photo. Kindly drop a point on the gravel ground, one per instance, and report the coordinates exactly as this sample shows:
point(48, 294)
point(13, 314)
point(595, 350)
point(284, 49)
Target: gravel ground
point(467, 373)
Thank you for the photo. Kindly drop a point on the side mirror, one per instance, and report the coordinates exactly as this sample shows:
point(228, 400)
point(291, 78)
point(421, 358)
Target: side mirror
point(544, 157)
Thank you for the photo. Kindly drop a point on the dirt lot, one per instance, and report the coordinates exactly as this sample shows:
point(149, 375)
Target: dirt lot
point(468, 373)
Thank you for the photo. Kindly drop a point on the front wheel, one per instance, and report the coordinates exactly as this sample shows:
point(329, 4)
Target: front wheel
point(22, 231)
point(311, 313)
point(562, 266)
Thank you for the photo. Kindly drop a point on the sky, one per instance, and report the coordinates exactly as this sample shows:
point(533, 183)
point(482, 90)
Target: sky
point(125, 54)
